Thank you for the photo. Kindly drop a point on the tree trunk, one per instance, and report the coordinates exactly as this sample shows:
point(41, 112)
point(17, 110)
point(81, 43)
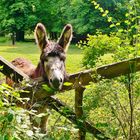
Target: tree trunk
point(13, 38)
point(20, 35)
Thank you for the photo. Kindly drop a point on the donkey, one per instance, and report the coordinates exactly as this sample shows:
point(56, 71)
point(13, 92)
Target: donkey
point(52, 62)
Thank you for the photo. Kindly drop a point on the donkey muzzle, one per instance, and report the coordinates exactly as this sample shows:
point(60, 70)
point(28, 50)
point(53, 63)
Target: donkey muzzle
point(56, 83)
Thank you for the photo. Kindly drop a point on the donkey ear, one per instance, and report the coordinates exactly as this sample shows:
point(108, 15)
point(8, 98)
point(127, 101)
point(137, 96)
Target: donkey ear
point(65, 37)
point(40, 35)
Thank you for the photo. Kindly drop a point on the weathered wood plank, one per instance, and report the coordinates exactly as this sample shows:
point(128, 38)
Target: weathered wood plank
point(119, 68)
point(84, 77)
point(11, 71)
point(107, 71)
point(79, 92)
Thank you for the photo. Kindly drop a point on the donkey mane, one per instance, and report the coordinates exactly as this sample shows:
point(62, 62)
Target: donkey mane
point(57, 50)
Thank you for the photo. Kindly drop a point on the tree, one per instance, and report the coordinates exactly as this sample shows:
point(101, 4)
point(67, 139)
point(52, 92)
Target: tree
point(53, 15)
point(17, 16)
point(86, 19)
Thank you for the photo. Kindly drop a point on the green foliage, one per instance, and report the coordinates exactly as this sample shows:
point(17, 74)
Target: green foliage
point(114, 106)
point(19, 15)
point(15, 121)
point(67, 84)
point(107, 104)
point(97, 46)
point(48, 89)
point(23, 15)
point(123, 43)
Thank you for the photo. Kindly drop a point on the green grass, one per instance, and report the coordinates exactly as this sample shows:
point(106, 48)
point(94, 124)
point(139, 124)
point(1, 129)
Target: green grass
point(30, 51)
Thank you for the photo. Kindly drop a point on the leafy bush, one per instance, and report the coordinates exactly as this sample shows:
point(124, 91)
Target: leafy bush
point(15, 121)
point(123, 42)
point(3, 39)
point(98, 45)
point(113, 106)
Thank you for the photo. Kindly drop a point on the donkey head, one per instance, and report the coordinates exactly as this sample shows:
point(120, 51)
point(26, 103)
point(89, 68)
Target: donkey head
point(52, 57)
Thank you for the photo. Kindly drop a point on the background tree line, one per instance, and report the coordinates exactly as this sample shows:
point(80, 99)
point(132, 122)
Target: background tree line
point(18, 16)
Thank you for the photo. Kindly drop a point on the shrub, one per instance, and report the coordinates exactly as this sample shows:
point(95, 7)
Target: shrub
point(15, 121)
point(113, 104)
point(98, 45)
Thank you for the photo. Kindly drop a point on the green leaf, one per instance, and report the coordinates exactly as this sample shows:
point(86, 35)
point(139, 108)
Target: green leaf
point(112, 25)
point(88, 87)
point(97, 6)
point(6, 137)
point(2, 118)
point(127, 22)
point(67, 84)
point(120, 30)
point(10, 117)
point(117, 24)
point(94, 2)
point(48, 89)
point(101, 10)
point(109, 19)
point(106, 12)
point(127, 14)
point(1, 67)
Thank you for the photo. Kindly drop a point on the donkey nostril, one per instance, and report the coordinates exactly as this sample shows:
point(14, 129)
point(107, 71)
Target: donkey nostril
point(51, 80)
point(61, 80)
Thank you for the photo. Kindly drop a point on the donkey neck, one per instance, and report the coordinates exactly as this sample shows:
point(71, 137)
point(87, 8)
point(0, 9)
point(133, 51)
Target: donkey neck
point(39, 71)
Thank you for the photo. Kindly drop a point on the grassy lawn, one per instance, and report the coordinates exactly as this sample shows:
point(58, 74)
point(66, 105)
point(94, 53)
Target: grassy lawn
point(29, 50)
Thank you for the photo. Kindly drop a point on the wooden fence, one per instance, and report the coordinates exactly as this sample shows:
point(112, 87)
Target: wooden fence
point(79, 81)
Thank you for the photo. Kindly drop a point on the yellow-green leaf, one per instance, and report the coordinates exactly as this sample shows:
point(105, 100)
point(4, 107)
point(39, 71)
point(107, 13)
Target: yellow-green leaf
point(94, 2)
point(97, 6)
point(67, 84)
point(109, 19)
point(117, 24)
point(112, 25)
point(101, 10)
point(48, 89)
point(104, 14)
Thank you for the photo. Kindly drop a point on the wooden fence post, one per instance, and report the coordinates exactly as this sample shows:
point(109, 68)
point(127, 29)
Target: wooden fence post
point(79, 90)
